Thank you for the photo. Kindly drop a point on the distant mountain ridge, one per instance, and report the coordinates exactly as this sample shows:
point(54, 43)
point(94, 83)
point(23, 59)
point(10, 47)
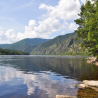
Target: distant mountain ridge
point(61, 45)
point(22, 44)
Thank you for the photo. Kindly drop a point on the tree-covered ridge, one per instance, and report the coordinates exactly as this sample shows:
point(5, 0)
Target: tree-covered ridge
point(88, 26)
point(30, 48)
point(23, 44)
point(61, 45)
point(12, 52)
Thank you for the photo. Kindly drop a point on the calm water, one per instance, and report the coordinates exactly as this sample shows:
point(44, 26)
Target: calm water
point(43, 76)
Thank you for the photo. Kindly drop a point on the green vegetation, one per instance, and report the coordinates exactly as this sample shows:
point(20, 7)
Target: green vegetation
point(12, 52)
point(23, 44)
point(61, 45)
point(88, 26)
point(30, 48)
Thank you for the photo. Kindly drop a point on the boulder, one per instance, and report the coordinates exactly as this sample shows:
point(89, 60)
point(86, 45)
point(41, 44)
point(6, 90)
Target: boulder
point(90, 83)
point(95, 63)
point(89, 61)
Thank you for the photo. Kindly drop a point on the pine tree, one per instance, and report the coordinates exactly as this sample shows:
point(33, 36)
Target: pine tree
point(88, 26)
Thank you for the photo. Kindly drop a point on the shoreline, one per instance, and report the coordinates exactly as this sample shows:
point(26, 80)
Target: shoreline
point(92, 60)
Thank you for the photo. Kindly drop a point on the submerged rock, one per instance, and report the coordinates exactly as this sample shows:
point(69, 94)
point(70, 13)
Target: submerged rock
point(64, 96)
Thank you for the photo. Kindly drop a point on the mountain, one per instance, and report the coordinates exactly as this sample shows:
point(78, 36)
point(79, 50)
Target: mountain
point(30, 48)
point(22, 44)
point(61, 45)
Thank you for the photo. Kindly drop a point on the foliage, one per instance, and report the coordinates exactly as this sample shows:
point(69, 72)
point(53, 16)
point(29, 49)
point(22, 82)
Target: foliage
point(23, 44)
point(30, 48)
point(12, 52)
point(61, 45)
point(88, 26)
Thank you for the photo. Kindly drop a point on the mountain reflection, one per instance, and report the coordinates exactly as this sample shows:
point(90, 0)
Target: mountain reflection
point(42, 76)
point(71, 67)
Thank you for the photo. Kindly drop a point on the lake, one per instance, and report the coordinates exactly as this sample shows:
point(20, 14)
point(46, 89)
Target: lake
point(29, 76)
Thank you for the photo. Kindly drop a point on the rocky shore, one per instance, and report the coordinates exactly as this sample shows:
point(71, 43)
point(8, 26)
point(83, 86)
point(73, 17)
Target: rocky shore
point(92, 60)
point(89, 84)
point(86, 83)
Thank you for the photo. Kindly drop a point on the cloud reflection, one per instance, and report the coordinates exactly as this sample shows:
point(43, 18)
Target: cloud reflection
point(43, 81)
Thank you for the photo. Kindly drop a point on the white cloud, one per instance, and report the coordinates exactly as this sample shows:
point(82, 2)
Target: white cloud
point(48, 26)
point(66, 9)
point(2, 35)
point(73, 26)
point(54, 20)
point(42, 81)
point(43, 30)
point(32, 31)
point(45, 7)
point(63, 11)
point(63, 32)
point(84, 1)
point(11, 35)
point(30, 28)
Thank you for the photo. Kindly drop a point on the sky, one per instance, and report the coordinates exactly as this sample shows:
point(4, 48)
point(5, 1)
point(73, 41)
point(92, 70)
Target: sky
point(20, 19)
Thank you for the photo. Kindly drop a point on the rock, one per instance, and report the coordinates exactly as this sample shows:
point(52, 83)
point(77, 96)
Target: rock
point(90, 83)
point(82, 85)
point(95, 63)
point(64, 96)
point(89, 61)
point(93, 60)
point(95, 88)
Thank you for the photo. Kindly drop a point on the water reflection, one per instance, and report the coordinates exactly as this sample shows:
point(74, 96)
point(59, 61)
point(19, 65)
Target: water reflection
point(42, 76)
point(35, 82)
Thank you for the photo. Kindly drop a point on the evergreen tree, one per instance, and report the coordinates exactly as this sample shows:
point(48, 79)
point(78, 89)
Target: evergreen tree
point(88, 26)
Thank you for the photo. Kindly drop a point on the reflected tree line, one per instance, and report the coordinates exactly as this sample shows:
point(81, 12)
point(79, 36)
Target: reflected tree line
point(76, 68)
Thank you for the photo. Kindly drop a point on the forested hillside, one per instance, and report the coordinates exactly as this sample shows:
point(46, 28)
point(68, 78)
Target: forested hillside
point(23, 44)
point(12, 52)
point(30, 48)
point(61, 45)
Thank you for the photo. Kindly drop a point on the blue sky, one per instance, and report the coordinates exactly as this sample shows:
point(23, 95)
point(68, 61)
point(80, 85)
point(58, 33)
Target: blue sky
point(21, 19)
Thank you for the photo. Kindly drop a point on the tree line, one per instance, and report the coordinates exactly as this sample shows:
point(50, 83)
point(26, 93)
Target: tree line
point(12, 52)
point(88, 26)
